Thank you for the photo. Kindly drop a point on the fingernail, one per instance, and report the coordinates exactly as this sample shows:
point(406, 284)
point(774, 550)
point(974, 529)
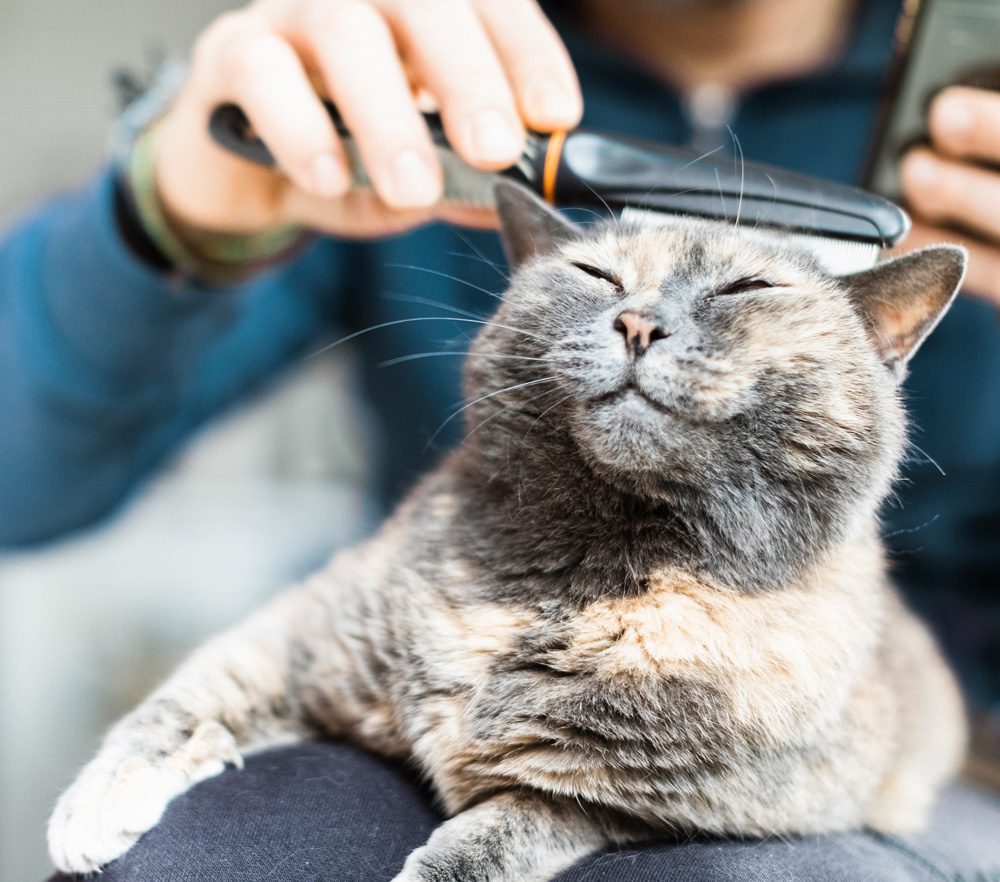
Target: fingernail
point(953, 117)
point(921, 170)
point(328, 176)
point(549, 103)
point(494, 138)
point(412, 181)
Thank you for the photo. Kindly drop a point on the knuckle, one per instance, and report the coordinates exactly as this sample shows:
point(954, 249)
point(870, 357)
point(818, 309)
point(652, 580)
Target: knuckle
point(429, 7)
point(480, 88)
point(220, 32)
point(983, 135)
point(947, 191)
point(225, 28)
point(527, 70)
point(923, 190)
point(387, 140)
point(341, 19)
point(923, 202)
point(527, 11)
point(967, 119)
point(229, 23)
point(249, 58)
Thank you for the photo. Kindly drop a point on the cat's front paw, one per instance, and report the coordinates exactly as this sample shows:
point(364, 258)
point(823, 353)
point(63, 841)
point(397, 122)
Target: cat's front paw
point(423, 866)
point(117, 798)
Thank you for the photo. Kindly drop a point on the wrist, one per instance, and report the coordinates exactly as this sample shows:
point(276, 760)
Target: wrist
point(152, 229)
point(208, 256)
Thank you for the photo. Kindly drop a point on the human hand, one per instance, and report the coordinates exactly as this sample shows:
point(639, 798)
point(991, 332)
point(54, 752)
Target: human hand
point(492, 69)
point(952, 184)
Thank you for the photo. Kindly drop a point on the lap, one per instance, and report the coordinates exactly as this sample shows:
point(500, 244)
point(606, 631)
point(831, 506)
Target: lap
point(330, 811)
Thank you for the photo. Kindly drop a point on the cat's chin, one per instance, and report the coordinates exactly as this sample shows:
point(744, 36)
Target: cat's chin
point(635, 405)
point(628, 432)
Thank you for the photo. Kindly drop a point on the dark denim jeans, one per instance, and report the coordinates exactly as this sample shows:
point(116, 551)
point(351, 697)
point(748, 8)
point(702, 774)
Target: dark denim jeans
point(329, 812)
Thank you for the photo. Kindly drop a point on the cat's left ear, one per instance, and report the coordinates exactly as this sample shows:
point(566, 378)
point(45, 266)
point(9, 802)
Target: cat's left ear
point(903, 299)
point(528, 226)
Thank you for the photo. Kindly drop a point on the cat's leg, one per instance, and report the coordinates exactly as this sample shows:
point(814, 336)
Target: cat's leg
point(236, 692)
point(512, 837)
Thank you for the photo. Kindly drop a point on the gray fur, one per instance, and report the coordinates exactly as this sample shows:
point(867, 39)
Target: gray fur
point(645, 595)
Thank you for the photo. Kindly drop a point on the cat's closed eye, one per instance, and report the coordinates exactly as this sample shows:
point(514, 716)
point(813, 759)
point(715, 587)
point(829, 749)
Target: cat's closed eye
point(598, 273)
point(741, 286)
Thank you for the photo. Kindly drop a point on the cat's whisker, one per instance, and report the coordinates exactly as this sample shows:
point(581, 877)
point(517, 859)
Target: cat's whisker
point(476, 401)
point(743, 169)
point(722, 198)
point(698, 159)
point(774, 198)
point(422, 318)
point(903, 531)
point(543, 413)
point(502, 411)
point(425, 301)
point(598, 217)
point(644, 202)
point(428, 301)
point(476, 259)
point(615, 219)
point(416, 356)
point(465, 402)
point(434, 272)
point(503, 275)
point(930, 459)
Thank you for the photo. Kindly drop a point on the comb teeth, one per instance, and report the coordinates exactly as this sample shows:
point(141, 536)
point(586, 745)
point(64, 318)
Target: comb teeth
point(838, 257)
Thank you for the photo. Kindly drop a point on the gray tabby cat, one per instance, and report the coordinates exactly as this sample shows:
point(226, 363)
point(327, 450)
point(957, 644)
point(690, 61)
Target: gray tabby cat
point(646, 594)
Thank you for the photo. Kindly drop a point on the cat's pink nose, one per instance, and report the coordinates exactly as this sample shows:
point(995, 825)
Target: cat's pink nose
point(640, 332)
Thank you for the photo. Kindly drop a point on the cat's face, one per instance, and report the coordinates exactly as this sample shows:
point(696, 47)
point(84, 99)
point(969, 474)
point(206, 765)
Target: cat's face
point(685, 349)
point(691, 355)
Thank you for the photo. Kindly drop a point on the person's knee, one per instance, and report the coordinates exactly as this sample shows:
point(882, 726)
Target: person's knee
point(316, 810)
point(816, 859)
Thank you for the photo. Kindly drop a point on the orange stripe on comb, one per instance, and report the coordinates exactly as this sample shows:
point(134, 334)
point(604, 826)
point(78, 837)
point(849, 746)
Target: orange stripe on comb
point(552, 156)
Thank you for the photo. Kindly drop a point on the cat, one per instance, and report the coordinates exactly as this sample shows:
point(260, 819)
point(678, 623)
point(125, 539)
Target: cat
point(645, 595)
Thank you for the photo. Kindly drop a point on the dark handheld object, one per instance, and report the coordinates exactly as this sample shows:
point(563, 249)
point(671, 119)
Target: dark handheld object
point(939, 43)
point(608, 172)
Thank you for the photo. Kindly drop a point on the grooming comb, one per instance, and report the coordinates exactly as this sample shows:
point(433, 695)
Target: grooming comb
point(843, 227)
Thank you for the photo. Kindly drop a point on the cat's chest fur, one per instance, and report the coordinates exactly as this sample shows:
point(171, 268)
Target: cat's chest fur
point(683, 681)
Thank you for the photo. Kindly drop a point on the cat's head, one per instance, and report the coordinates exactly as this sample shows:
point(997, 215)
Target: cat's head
point(692, 363)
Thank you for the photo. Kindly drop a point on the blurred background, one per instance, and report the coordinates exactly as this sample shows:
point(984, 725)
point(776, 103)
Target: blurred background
point(89, 625)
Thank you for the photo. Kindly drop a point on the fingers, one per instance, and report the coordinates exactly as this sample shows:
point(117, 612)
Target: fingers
point(262, 73)
point(943, 186)
point(491, 67)
point(354, 49)
point(949, 191)
point(455, 59)
point(536, 62)
point(361, 214)
point(965, 124)
point(983, 276)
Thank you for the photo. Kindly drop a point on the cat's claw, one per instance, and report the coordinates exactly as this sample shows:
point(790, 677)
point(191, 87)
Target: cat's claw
point(116, 799)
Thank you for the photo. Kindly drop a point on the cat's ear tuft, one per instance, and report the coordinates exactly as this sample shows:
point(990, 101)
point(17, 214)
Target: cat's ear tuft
point(902, 300)
point(528, 226)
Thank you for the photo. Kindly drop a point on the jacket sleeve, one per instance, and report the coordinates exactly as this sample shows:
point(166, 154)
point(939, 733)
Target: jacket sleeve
point(107, 365)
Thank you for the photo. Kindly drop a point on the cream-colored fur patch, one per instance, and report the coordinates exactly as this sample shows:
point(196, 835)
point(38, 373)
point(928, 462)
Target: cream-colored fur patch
point(774, 653)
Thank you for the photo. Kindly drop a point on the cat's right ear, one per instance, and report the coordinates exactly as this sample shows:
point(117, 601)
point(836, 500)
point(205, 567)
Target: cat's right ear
point(903, 299)
point(528, 226)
